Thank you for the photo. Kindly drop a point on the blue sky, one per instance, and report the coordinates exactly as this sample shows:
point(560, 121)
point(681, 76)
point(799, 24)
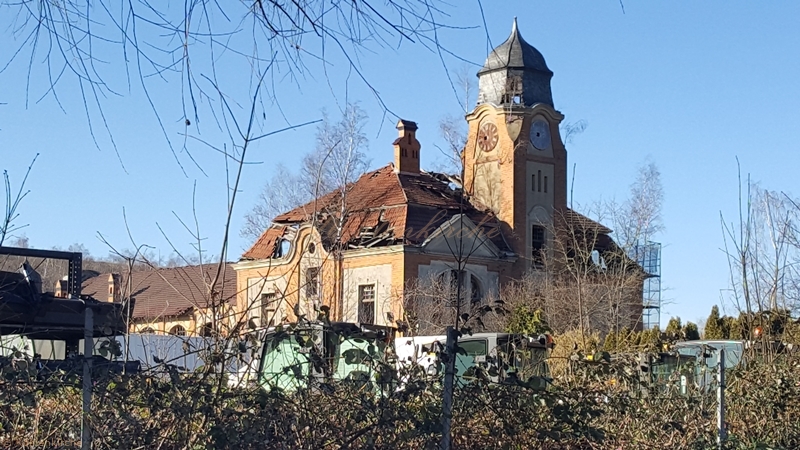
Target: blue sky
point(690, 85)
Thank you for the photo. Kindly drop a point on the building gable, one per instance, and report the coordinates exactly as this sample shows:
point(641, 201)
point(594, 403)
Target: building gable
point(461, 236)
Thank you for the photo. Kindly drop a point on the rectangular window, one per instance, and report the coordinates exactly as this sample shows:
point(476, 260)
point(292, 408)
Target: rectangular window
point(537, 246)
point(312, 282)
point(540, 180)
point(269, 307)
point(545, 184)
point(533, 183)
point(366, 303)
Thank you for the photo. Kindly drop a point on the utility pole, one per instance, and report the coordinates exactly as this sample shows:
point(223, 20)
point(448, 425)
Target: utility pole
point(88, 353)
point(449, 381)
point(450, 352)
point(721, 432)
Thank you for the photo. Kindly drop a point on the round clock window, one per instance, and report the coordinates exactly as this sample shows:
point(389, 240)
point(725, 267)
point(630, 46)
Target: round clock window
point(540, 134)
point(487, 136)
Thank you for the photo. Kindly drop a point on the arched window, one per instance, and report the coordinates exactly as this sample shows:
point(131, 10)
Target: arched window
point(471, 288)
point(177, 330)
point(206, 330)
point(598, 260)
point(282, 249)
point(475, 291)
point(147, 330)
point(537, 246)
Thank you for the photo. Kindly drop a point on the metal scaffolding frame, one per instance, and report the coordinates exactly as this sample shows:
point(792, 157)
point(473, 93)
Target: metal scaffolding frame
point(648, 255)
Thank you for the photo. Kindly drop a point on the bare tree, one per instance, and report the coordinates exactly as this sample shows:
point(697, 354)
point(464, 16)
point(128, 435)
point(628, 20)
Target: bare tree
point(338, 159)
point(452, 127)
point(588, 281)
point(763, 255)
point(283, 192)
point(453, 131)
point(80, 45)
point(638, 219)
point(12, 201)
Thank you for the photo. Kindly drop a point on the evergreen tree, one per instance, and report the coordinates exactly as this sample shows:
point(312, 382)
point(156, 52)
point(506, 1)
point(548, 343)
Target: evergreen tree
point(731, 328)
point(610, 343)
point(624, 339)
point(674, 326)
point(714, 328)
point(690, 332)
point(635, 338)
point(525, 320)
point(649, 339)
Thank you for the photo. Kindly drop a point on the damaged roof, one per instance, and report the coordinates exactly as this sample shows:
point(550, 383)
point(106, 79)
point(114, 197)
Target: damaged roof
point(578, 221)
point(383, 208)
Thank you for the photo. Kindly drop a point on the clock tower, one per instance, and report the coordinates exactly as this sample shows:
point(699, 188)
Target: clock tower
point(514, 161)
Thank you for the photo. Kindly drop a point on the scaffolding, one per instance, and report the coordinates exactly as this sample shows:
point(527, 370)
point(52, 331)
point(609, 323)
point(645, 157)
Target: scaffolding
point(648, 255)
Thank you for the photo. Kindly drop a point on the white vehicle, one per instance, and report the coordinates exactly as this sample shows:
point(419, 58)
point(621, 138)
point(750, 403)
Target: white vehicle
point(517, 355)
point(21, 347)
point(186, 353)
point(302, 356)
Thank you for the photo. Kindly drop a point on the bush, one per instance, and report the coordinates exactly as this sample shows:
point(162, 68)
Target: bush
point(589, 405)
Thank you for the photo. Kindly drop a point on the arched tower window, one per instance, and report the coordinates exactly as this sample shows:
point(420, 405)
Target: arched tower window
point(537, 246)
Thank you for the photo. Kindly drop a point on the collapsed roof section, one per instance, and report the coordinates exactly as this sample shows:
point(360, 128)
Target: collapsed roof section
point(383, 207)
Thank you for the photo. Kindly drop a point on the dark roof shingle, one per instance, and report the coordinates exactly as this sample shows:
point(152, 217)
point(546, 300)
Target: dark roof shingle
point(169, 292)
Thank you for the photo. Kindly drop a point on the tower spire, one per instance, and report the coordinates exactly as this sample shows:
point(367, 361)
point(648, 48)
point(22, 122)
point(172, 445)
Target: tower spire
point(515, 73)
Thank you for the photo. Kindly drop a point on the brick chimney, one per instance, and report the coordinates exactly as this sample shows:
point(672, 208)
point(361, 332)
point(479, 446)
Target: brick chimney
point(406, 148)
point(114, 287)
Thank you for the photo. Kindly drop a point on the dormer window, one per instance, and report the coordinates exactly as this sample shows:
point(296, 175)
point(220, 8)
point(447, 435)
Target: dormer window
point(282, 249)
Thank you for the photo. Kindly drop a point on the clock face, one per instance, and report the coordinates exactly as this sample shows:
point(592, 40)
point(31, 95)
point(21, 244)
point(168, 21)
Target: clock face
point(540, 134)
point(487, 136)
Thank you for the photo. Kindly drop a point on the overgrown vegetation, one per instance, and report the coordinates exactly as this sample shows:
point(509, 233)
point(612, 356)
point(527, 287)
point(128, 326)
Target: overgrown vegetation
point(591, 405)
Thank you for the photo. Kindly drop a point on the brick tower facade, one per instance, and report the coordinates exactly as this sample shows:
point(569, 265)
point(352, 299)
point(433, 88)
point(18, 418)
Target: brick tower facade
point(515, 162)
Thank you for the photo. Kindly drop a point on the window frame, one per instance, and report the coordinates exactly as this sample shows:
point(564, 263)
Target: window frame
point(538, 246)
point(268, 310)
point(312, 283)
point(362, 303)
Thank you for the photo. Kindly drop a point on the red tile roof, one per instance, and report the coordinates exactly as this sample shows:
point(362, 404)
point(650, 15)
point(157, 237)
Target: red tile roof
point(384, 208)
point(265, 245)
point(169, 292)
